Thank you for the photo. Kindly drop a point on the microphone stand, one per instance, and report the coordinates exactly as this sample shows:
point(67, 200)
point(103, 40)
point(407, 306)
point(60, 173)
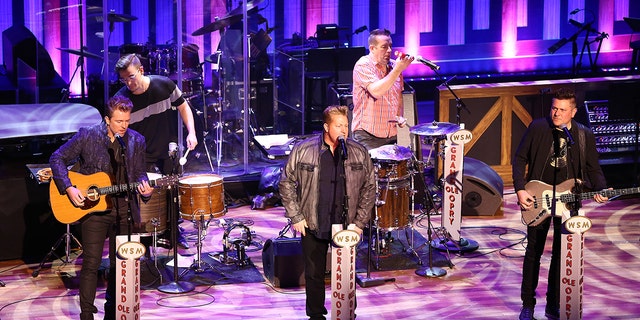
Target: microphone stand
point(368, 281)
point(459, 103)
point(175, 286)
point(123, 153)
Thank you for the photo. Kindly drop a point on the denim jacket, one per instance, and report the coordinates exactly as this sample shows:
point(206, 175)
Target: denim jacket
point(299, 186)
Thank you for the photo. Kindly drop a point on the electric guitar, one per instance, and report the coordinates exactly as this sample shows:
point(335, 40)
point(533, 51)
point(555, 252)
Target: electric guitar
point(543, 199)
point(93, 187)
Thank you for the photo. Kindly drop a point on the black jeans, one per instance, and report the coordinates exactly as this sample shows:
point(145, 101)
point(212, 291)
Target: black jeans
point(314, 251)
point(536, 238)
point(95, 229)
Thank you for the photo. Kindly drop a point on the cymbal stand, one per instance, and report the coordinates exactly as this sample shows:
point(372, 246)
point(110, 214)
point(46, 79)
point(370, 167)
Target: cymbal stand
point(67, 237)
point(368, 281)
point(428, 206)
point(205, 131)
point(413, 167)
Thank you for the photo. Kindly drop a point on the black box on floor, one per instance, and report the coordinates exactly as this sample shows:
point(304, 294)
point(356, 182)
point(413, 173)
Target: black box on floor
point(282, 262)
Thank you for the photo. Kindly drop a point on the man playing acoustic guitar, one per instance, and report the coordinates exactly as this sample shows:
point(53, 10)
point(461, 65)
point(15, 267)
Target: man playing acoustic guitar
point(100, 148)
point(555, 149)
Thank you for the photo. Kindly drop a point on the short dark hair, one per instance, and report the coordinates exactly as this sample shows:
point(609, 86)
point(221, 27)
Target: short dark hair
point(377, 32)
point(565, 94)
point(118, 102)
point(125, 61)
point(334, 110)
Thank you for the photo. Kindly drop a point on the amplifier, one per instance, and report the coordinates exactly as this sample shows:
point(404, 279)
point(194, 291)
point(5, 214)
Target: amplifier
point(283, 263)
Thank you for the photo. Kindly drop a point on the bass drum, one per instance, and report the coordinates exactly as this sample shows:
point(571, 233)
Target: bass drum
point(153, 214)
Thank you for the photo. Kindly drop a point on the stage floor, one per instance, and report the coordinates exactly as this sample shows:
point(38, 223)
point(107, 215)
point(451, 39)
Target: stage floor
point(484, 284)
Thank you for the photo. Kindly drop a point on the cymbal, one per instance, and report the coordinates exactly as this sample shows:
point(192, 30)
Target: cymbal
point(434, 128)
point(391, 152)
point(218, 24)
point(120, 17)
point(84, 53)
point(250, 6)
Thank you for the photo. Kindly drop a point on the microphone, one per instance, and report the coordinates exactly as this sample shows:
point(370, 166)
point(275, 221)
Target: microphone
point(119, 138)
point(420, 59)
point(570, 140)
point(428, 63)
point(363, 28)
point(343, 146)
point(173, 149)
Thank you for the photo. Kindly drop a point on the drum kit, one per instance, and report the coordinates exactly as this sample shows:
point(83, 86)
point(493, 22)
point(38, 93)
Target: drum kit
point(397, 171)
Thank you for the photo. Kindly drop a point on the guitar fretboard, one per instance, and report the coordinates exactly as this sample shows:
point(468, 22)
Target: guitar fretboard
point(569, 197)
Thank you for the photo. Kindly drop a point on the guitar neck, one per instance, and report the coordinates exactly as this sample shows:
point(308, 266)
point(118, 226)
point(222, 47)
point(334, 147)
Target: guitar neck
point(123, 187)
point(607, 193)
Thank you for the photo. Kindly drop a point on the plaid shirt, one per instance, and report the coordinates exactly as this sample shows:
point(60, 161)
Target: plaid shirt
point(375, 115)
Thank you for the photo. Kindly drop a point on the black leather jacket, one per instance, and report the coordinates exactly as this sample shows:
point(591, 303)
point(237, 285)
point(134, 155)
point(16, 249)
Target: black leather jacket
point(299, 187)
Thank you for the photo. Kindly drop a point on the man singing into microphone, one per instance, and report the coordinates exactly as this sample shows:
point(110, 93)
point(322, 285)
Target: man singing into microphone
point(313, 192)
point(377, 93)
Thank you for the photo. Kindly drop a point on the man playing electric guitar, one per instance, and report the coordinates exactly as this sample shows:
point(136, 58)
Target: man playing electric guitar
point(553, 149)
point(110, 148)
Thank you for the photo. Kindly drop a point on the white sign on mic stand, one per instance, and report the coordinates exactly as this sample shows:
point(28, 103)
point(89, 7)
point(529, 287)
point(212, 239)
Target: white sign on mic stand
point(128, 255)
point(343, 272)
point(452, 195)
point(572, 266)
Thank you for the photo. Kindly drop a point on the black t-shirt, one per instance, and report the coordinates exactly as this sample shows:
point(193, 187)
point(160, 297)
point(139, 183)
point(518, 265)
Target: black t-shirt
point(330, 199)
point(155, 116)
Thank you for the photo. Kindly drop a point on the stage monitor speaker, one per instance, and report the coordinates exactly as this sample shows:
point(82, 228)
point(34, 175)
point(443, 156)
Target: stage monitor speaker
point(283, 263)
point(482, 189)
point(411, 114)
point(19, 43)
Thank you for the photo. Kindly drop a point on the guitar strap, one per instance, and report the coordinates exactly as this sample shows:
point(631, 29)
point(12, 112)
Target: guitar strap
point(583, 148)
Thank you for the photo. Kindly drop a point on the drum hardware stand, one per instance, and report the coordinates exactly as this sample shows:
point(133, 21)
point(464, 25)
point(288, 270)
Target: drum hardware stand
point(240, 244)
point(205, 131)
point(175, 286)
point(67, 237)
point(430, 271)
point(197, 265)
point(412, 191)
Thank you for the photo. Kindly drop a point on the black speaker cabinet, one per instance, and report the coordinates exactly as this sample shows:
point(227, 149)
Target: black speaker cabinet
point(482, 189)
point(282, 262)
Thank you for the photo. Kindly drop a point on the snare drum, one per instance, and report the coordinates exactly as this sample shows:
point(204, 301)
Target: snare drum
point(394, 213)
point(201, 197)
point(391, 162)
point(154, 211)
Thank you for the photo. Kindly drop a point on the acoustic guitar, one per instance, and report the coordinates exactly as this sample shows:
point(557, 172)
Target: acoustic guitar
point(93, 187)
point(543, 195)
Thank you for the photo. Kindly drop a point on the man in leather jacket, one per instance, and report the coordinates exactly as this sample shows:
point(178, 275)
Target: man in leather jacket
point(312, 188)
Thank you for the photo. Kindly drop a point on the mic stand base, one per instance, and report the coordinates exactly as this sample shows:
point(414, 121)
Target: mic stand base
point(464, 245)
point(431, 272)
point(371, 282)
point(176, 287)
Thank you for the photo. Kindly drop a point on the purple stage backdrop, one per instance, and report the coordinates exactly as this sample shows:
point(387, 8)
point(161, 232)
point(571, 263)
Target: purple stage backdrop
point(464, 37)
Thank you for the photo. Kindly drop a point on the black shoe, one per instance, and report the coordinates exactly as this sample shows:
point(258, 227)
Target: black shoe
point(526, 313)
point(164, 243)
point(551, 313)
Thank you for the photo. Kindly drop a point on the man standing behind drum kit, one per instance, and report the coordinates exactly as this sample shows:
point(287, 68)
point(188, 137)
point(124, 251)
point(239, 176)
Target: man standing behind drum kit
point(377, 93)
point(155, 100)
point(312, 188)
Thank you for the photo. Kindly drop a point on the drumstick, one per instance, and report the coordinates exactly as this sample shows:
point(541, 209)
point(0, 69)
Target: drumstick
point(183, 160)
